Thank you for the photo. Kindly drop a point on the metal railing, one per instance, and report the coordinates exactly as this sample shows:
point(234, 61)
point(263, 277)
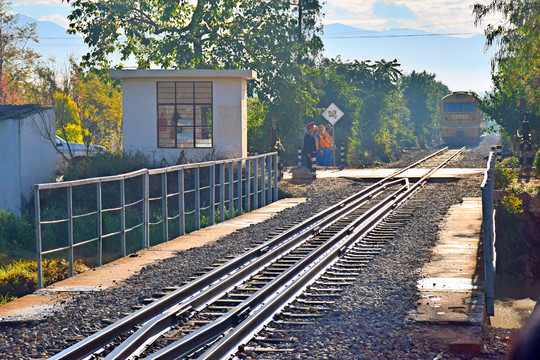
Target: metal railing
point(488, 215)
point(179, 199)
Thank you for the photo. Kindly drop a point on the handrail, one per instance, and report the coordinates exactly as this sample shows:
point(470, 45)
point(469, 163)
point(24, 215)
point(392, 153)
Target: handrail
point(237, 192)
point(488, 215)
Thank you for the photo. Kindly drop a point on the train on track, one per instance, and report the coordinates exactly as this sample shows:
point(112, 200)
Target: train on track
point(460, 119)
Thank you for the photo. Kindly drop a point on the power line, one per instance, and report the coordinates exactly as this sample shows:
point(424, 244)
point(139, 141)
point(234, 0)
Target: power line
point(396, 36)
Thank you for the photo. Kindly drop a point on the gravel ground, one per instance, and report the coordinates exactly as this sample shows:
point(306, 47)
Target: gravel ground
point(368, 322)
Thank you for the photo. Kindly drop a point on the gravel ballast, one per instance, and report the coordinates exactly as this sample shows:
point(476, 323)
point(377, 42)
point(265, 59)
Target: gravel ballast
point(370, 320)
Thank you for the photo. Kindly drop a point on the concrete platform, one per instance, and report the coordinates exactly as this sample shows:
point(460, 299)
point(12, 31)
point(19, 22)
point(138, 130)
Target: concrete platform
point(451, 287)
point(445, 173)
point(43, 302)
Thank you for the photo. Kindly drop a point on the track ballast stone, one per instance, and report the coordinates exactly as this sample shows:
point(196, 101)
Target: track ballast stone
point(368, 322)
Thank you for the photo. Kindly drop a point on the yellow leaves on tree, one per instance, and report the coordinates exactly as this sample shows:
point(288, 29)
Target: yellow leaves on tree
point(68, 123)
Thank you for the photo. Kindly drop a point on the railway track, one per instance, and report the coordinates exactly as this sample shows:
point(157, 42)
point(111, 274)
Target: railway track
point(283, 282)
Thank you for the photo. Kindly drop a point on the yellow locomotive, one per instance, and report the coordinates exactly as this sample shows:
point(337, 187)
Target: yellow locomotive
point(460, 119)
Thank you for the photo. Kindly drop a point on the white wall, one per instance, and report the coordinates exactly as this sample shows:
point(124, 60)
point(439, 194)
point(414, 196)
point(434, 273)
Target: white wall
point(37, 154)
point(26, 158)
point(10, 175)
point(139, 103)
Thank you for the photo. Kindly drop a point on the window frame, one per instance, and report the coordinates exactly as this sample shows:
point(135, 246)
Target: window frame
point(194, 104)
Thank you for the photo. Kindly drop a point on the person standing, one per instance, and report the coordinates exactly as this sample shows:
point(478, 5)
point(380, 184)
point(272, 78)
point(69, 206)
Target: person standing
point(324, 145)
point(309, 147)
point(318, 145)
point(332, 147)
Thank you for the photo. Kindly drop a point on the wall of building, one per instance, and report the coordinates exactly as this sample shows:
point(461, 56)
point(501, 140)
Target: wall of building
point(139, 125)
point(26, 158)
point(10, 175)
point(37, 154)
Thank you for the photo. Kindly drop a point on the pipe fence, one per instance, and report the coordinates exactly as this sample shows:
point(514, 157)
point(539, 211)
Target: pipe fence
point(109, 217)
point(488, 215)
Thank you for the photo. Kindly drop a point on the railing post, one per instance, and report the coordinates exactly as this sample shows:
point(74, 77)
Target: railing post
point(212, 194)
point(221, 192)
point(248, 185)
point(269, 179)
point(275, 188)
point(239, 190)
point(146, 211)
point(70, 227)
point(164, 207)
point(99, 210)
point(263, 178)
point(181, 204)
point(231, 189)
point(255, 183)
point(123, 216)
point(37, 209)
point(197, 199)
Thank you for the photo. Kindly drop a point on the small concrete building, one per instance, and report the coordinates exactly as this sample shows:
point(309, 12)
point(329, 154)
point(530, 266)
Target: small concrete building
point(202, 113)
point(26, 156)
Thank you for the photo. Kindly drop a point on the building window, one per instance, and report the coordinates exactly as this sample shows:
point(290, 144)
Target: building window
point(184, 111)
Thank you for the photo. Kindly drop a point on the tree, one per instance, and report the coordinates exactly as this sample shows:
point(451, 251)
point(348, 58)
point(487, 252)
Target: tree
point(177, 34)
point(423, 95)
point(377, 121)
point(515, 66)
point(277, 38)
point(87, 105)
point(99, 101)
point(16, 58)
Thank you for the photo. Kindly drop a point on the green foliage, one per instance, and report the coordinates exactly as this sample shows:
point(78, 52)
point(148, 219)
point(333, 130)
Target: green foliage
point(515, 67)
point(17, 237)
point(504, 177)
point(107, 164)
point(423, 94)
point(258, 127)
point(20, 278)
point(512, 204)
point(536, 163)
point(511, 163)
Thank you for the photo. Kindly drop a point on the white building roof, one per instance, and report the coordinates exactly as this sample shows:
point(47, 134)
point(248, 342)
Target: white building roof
point(173, 73)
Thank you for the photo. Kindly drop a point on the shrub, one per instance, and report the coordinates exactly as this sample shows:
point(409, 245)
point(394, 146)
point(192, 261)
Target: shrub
point(17, 236)
point(107, 164)
point(512, 204)
point(20, 278)
point(536, 163)
point(504, 177)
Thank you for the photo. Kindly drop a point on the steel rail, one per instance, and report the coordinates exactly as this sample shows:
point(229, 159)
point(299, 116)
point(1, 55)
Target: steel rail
point(290, 289)
point(297, 233)
point(235, 317)
point(162, 322)
point(302, 230)
point(277, 287)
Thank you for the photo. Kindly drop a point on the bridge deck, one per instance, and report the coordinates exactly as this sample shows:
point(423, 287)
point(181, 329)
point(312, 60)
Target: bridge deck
point(450, 288)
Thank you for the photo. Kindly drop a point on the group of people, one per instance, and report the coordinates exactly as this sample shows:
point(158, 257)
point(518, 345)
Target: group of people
point(319, 145)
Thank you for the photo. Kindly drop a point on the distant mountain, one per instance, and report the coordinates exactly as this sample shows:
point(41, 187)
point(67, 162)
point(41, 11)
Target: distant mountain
point(54, 41)
point(459, 62)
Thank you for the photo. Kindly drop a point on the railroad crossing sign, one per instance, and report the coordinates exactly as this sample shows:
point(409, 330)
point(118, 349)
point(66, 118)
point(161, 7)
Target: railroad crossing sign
point(332, 114)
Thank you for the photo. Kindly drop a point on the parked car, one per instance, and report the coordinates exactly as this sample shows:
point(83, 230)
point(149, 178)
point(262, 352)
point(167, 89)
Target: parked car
point(77, 149)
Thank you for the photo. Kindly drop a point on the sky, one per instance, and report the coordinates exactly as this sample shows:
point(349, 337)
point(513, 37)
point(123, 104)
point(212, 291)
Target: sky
point(453, 17)
point(438, 16)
